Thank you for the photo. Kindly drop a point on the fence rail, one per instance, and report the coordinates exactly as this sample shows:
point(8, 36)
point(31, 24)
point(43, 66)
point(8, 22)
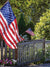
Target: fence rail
point(28, 51)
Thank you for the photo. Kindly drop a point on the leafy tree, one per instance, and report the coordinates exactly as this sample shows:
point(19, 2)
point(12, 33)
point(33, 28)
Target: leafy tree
point(42, 29)
point(22, 25)
point(2, 1)
point(32, 8)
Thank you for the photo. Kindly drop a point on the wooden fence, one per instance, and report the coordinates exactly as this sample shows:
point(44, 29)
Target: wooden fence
point(28, 51)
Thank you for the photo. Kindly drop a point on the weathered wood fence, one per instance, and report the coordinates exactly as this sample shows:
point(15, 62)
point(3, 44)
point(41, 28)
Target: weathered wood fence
point(28, 51)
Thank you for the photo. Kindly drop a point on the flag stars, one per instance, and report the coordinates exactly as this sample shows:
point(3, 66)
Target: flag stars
point(8, 13)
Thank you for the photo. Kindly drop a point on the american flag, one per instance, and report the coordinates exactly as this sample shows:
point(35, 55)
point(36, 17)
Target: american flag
point(9, 27)
point(29, 31)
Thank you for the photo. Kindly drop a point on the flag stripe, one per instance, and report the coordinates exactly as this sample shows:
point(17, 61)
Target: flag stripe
point(12, 28)
point(18, 36)
point(2, 24)
point(16, 25)
point(6, 34)
point(9, 30)
point(29, 31)
point(4, 20)
point(17, 32)
point(9, 27)
point(6, 40)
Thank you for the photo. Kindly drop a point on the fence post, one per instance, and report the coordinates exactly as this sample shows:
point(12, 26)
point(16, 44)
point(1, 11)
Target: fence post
point(16, 53)
point(13, 53)
point(43, 49)
point(5, 51)
point(9, 53)
point(1, 49)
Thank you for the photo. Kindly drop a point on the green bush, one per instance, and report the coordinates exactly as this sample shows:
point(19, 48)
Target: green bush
point(42, 29)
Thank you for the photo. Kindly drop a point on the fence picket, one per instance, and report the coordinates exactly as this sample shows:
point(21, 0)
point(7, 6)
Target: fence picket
point(13, 53)
point(44, 48)
point(1, 50)
point(5, 51)
point(27, 51)
point(34, 51)
point(18, 55)
point(9, 53)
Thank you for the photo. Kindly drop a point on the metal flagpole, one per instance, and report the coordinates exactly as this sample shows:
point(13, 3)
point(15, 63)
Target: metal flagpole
point(5, 2)
point(8, 0)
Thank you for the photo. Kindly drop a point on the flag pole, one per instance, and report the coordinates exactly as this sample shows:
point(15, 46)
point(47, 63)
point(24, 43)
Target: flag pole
point(5, 2)
point(22, 33)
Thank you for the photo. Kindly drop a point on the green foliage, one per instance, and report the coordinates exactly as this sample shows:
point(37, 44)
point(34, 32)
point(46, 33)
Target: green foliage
point(42, 29)
point(31, 8)
point(21, 25)
point(2, 1)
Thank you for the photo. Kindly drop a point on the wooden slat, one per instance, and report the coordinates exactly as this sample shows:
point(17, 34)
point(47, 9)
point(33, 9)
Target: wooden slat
point(5, 51)
point(24, 47)
point(34, 41)
point(47, 41)
point(22, 54)
point(26, 53)
point(44, 48)
point(34, 51)
point(18, 55)
point(13, 53)
point(1, 50)
point(29, 53)
point(9, 53)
